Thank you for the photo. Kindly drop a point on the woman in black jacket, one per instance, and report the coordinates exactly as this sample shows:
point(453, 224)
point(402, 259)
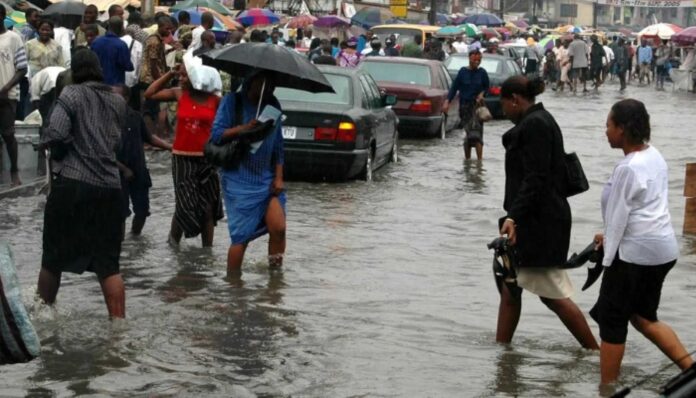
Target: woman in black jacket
point(538, 217)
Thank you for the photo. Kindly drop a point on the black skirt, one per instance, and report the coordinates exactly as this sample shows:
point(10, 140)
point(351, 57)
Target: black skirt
point(82, 228)
point(196, 190)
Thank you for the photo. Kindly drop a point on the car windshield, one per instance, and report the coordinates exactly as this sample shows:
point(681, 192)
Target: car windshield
point(340, 84)
point(403, 35)
point(398, 72)
point(490, 65)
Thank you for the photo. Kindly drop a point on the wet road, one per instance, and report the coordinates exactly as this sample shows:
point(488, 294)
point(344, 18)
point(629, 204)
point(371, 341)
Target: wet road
point(387, 289)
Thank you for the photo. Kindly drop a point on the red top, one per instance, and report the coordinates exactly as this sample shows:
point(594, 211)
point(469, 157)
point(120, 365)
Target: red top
point(194, 122)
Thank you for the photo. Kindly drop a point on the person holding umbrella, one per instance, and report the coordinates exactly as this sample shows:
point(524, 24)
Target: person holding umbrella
point(253, 185)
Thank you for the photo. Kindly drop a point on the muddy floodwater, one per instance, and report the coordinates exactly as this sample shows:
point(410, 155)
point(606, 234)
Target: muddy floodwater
point(387, 289)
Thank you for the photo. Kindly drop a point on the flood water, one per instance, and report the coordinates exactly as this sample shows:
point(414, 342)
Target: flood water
point(387, 289)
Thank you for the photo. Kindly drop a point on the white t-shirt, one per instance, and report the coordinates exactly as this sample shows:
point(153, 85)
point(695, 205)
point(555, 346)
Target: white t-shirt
point(635, 209)
point(196, 37)
point(13, 57)
point(64, 37)
point(44, 81)
point(609, 57)
point(136, 55)
point(461, 47)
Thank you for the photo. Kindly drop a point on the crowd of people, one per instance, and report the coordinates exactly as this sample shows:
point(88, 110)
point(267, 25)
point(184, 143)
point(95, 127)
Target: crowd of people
point(105, 91)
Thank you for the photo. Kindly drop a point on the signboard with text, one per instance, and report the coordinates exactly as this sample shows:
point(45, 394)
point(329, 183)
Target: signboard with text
point(649, 3)
point(399, 8)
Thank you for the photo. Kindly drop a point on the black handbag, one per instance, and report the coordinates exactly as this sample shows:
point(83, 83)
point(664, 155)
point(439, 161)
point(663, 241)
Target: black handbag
point(229, 154)
point(576, 182)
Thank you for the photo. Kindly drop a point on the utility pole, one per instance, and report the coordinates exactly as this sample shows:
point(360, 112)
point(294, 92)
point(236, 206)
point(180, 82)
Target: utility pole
point(432, 16)
point(594, 14)
point(502, 9)
point(148, 7)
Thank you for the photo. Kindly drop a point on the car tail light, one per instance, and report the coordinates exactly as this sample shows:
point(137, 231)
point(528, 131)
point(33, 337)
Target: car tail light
point(422, 106)
point(346, 132)
point(325, 133)
point(494, 91)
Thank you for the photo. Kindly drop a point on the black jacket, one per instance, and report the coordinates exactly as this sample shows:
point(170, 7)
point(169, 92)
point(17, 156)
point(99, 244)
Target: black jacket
point(534, 173)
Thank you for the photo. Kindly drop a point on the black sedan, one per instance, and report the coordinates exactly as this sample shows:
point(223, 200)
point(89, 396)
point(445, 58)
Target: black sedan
point(341, 135)
point(498, 67)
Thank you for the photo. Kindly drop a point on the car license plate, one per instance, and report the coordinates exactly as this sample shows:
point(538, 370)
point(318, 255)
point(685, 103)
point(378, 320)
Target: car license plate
point(289, 133)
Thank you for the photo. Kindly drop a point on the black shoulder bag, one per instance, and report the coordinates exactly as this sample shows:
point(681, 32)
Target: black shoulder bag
point(576, 182)
point(230, 153)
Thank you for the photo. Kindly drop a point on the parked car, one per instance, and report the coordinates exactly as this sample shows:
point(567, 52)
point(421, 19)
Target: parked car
point(498, 67)
point(515, 51)
point(421, 87)
point(404, 33)
point(341, 135)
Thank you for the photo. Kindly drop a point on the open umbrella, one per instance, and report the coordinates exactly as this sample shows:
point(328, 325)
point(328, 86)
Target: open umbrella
point(490, 33)
point(442, 19)
point(686, 37)
point(371, 16)
point(449, 31)
point(662, 30)
point(470, 30)
point(258, 16)
point(331, 21)
point(293, 69)
point(212, 4)
point(196, 17)
point(459, 20)
point(9, 23)
point(520, 23)
point(301, 21)
point(227, 20)
point(548, 42)
point(68, 13)
point(484, 19)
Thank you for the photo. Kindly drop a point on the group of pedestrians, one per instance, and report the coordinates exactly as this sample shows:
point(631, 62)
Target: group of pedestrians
point(638, 242)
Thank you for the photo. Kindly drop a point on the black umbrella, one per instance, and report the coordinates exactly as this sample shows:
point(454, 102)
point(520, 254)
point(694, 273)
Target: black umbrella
point(294, 70)
point(67, 13)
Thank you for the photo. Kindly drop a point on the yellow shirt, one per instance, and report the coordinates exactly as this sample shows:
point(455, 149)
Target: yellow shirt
point(40, 55)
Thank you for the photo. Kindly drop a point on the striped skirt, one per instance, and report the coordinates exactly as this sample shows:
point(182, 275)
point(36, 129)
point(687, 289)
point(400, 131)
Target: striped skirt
point(196, 190)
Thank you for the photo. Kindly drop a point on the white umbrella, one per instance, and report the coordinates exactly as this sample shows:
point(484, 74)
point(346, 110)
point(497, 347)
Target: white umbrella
point(662, 30)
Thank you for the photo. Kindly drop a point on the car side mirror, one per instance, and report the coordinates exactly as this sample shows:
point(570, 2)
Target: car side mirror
point(389, 100)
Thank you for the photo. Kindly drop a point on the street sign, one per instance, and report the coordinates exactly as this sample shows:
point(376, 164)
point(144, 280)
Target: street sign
point(399, 8)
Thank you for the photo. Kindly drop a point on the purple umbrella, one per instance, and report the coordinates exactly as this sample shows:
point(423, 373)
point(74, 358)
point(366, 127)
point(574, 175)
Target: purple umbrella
point(484, 19)
point(686, 37)
point(331, 21)
point(520, 23)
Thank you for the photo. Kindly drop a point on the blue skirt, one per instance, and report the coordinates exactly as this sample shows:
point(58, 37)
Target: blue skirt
point(246, 207)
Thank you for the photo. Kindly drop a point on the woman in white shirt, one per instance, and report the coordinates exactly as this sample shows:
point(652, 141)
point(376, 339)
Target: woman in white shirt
point(639, 243)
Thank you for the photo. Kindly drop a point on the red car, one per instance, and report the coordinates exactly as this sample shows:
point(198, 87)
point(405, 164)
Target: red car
point(421, 87)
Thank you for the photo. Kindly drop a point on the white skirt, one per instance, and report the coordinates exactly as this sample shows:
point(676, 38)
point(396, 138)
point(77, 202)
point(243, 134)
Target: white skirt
point(552, 283)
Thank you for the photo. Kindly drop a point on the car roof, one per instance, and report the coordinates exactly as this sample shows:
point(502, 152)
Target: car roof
point(402, 60)
point(426, 28)
point(337, 70)
point(485, 55)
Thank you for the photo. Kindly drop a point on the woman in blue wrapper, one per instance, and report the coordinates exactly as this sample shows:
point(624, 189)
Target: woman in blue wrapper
point(253, 191)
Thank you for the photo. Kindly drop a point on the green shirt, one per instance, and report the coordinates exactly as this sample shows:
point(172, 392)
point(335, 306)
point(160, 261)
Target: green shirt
point(413, 50)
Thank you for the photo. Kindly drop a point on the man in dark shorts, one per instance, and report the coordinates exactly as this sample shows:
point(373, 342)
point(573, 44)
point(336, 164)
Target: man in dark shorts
point(135, 177)
point(13, 67)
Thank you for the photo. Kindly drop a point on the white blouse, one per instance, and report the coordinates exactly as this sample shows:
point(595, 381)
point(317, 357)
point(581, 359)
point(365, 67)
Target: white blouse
point(636, 213)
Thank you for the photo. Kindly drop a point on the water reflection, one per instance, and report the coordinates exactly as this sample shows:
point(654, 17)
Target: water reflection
point(507, 378)
point(475, 175)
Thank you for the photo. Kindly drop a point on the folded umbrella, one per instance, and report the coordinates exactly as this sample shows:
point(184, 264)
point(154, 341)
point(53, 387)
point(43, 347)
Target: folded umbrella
point(588, 254)
point(293, 69)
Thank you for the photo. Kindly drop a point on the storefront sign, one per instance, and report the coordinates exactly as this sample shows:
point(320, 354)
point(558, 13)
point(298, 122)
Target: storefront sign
point(649, 3)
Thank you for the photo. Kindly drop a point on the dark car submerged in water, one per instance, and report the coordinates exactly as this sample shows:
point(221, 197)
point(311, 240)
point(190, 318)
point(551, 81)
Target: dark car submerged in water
point(341, 135)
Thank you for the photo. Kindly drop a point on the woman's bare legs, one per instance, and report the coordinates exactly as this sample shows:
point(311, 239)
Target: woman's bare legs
point(275, 222)
point(508, 315)
point(574, 320)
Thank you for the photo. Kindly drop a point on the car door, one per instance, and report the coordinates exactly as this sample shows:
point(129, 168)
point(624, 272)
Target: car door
point(453, 112)
point(371, 122)
point(379, 112)
point(386, 117)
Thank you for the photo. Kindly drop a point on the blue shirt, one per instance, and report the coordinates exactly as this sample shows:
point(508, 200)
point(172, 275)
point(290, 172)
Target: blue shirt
point(645, 54)
point(114, 58)
point(469, 83)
